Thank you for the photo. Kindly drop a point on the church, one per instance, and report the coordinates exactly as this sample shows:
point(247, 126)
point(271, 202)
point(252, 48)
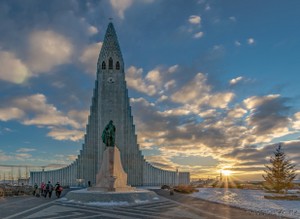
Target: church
point(110, 101)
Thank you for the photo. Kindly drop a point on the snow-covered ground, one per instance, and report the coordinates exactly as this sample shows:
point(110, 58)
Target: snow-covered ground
point(251, 200)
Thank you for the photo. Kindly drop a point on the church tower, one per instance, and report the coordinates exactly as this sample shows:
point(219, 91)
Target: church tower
point(110, 101)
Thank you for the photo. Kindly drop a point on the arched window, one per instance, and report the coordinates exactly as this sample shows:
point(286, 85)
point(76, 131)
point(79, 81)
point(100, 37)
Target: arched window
point(103, 65)
point(118, 65)
point(110, 63)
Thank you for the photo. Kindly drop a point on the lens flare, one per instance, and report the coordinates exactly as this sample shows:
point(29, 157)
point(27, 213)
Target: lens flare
point(226, 172)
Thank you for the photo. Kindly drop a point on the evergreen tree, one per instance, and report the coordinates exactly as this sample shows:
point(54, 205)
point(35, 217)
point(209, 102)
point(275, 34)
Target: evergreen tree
point(281, 173)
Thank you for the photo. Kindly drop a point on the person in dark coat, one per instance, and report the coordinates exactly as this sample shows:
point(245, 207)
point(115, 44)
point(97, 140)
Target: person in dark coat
point(49, 189)
point(58, 189)
point(35, 189)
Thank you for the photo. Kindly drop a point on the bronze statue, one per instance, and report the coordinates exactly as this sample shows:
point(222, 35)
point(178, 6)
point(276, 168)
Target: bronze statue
point(108, 134)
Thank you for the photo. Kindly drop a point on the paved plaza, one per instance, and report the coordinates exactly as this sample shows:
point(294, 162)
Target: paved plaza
point(178, 207)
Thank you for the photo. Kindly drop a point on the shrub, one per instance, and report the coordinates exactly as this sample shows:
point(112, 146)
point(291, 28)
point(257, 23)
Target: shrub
point(187, 189)
point(165, 187)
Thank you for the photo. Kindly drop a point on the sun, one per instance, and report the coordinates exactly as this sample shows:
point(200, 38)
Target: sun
point(226, 172)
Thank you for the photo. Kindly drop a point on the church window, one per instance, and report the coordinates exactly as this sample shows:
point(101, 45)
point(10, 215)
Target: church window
point(103, 65)
point(118, 65)
point(110, 63)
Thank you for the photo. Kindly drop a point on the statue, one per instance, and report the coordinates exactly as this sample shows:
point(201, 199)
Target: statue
point(108, 134)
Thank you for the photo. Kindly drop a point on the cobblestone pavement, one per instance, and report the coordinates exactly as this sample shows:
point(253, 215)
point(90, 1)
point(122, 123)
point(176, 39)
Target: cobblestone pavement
point(177, 207)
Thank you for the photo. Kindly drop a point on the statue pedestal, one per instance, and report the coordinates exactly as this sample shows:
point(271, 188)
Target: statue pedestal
point(111, 176)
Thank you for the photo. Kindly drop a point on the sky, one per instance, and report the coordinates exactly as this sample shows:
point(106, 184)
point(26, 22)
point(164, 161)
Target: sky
point(213, 84)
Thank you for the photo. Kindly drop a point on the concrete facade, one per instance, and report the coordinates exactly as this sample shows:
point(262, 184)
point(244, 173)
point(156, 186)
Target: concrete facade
point(110, 101)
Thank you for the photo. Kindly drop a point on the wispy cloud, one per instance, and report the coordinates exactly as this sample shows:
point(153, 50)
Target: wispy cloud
point(250, 41)
point(198, 35)
point(237, 43)
point(195, 19)
point(234, 81)
point(232, 18)
point(24, 150)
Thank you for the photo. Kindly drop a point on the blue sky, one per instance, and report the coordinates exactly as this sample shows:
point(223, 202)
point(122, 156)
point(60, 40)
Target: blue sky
point(213, 84)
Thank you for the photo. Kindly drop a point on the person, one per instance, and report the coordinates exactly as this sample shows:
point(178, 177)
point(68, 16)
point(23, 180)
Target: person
point(108, 134)
point(171, 191)
point(35, 187)
point(49, 189)
point(58, 189)
point(43, 189)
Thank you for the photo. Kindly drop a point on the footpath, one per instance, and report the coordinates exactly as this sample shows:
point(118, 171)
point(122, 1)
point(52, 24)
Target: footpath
point(175, 206)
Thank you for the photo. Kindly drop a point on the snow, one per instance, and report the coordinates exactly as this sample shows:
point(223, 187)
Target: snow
point(85, 190)
point(251, 200)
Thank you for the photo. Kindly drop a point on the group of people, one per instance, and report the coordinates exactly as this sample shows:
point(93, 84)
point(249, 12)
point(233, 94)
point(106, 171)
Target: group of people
point(47, 189)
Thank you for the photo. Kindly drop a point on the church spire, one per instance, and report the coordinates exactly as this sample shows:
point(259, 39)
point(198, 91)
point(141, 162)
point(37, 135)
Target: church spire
point(110, 48)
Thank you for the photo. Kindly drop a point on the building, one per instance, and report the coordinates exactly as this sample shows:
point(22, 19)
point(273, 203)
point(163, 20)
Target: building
point(110, 101)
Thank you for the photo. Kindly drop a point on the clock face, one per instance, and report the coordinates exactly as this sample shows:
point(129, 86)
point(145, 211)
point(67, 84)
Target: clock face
point(110, 80)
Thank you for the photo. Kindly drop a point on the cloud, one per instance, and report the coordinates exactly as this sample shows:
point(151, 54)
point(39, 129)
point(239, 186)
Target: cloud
point(51, 119)
point(296, 121)
point(89, 57)
point(198, 35)
point(66, 134)
point(23, 156)
point(9, 113)
point(173, 68)
point(135, 81)
point(4, 129)
point(220, 100)
point(207, 7)
point(192, 91)
point(199, 93)
point(268, 117)
point(4, 156)
point(80, 116)
point(170, 84)
point(195, 19)
point(237, 112)
point(251, 158)
point(92, 30)
point(22, 150)
point(162, 98)
point(235, 81)
point(154, 76)
point(216, 52)
point(44, 114)
point(121, 6)
point(13, 69)
point(232, 18)
point(250, 41)
point(48, 49)
point(205, 119)
point(255, 101)
point(35, 110)
point(216, 134)
point(237, 43)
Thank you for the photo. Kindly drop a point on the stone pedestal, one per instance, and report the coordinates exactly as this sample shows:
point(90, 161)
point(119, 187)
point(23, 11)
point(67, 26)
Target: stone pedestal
point(111, 176)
